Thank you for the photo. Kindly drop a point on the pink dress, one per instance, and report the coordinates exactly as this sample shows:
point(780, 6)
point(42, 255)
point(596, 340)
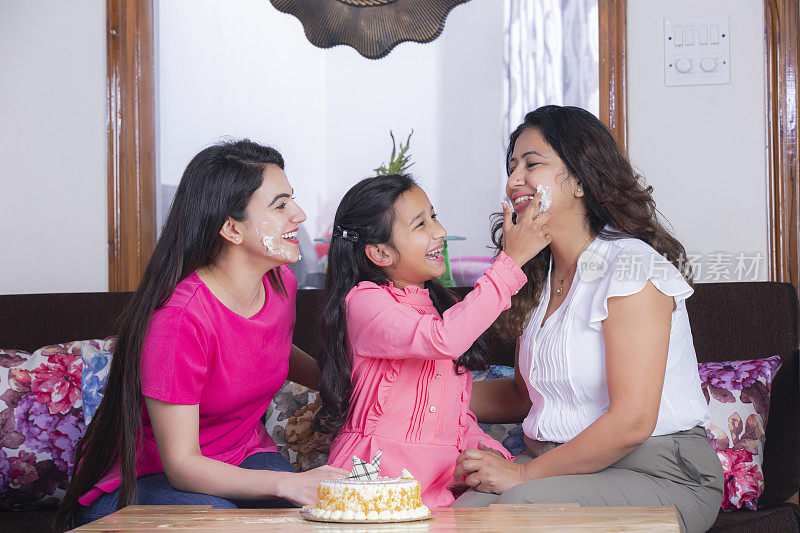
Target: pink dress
point(199, 352)
point(407, 399)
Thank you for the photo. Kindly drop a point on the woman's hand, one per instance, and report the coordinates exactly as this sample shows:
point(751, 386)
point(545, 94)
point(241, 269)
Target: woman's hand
point(529, 236)
point(301, 488)
point(486, 470)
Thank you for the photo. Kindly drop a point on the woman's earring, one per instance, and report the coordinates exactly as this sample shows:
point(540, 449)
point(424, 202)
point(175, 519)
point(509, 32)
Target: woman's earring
point(579, 192)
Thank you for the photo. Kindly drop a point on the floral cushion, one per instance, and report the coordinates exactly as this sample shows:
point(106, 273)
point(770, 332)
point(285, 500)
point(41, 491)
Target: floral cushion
point(290, 422)
point(738, 394)
point(40, 423)
point(96, 363)
point(509, 435)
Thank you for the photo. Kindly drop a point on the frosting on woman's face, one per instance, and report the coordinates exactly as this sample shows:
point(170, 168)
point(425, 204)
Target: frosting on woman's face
point(273, 218)
point(277, 244)
point(535, 168)
point(547, 197)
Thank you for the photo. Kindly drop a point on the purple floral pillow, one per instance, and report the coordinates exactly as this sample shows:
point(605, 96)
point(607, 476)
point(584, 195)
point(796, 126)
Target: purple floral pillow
point(40, 423)
point(738, 394)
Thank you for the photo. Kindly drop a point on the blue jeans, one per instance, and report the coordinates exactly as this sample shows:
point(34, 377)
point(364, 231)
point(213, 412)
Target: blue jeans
point(156, 490)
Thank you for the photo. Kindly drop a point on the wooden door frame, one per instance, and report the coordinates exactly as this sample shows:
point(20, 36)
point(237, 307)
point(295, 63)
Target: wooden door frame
point(131, 140)
point(781, 33)
point(131, 125)
point(614, 68)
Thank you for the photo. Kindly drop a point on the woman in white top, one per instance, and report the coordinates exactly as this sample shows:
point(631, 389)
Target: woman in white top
point(606, 374)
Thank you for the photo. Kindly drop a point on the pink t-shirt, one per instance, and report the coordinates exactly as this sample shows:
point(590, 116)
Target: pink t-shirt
point(199, 352)
point(407, 400)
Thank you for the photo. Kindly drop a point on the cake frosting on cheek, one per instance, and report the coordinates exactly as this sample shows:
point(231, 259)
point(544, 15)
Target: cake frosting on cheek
point(380, 499)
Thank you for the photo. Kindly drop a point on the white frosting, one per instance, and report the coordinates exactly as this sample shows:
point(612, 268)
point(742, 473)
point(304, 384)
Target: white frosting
point(547, 197)
point(272, 242)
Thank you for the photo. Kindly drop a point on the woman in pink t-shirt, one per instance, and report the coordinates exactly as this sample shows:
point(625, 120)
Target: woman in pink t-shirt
point(397, 344)
point(203, 346)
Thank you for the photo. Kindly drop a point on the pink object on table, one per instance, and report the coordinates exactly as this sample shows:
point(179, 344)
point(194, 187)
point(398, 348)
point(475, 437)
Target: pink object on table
point(198, 351)
point(406, 397)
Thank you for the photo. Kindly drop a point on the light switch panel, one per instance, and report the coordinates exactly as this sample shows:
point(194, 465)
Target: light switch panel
point(697, 50)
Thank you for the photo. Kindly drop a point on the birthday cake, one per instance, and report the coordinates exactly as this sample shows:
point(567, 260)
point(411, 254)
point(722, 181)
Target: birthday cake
point(364, 495)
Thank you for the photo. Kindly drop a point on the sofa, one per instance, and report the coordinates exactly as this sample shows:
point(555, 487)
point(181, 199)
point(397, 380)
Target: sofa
point(730, 322)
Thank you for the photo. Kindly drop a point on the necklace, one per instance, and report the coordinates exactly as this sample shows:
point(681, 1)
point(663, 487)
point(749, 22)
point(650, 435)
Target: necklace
point(560, 289)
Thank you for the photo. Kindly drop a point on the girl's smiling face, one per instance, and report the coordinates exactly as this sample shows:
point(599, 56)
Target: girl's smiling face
point(414, 255)
point(273, 218)
point(533, 164)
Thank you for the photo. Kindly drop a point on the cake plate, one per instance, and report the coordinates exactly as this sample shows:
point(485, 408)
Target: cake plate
point(306, 513)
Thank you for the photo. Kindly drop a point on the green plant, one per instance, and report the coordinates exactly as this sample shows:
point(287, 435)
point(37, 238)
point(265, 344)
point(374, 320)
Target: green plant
point(399, 161)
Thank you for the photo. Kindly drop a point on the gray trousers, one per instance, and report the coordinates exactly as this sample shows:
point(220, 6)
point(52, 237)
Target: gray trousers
point(680, 470)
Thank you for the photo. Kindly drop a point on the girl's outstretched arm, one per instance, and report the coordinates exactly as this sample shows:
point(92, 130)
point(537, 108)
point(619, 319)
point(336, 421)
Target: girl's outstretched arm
point(379, 325)
point(176, 431)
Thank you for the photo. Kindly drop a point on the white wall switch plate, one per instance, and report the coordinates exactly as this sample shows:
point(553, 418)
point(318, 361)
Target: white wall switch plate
point(697, 51)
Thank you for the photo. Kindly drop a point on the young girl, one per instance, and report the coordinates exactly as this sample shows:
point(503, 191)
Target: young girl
point(397, 343)
point(203, 346)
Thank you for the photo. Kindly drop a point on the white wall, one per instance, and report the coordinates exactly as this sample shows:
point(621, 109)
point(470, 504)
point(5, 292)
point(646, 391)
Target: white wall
point(238, 69)
point(367, 98)
point(470, 114)
point(450, 92)
point(702, 147)
point(242, 68)
point(53, 184)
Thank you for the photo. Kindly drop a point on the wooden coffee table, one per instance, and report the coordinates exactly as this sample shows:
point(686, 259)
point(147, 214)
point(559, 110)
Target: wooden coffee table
point(532, 517)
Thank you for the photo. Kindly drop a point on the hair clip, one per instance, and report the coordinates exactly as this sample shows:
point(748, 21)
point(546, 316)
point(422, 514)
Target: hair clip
point(350, 235)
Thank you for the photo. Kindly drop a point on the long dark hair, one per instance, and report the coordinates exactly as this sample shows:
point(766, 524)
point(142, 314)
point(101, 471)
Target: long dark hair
point(614, 195)
point(218, 183)
point(368, 210)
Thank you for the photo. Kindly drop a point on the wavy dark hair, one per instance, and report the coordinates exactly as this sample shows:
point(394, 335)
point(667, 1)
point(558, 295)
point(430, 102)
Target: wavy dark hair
point(368, 209)
point(614, 194)
point(218, 183)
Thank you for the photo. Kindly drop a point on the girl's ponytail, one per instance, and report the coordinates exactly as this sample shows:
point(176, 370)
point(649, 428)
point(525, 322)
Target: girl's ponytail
point(335, 383)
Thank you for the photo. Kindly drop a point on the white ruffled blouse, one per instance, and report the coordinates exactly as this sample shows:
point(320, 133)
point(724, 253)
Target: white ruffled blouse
point(563, 360)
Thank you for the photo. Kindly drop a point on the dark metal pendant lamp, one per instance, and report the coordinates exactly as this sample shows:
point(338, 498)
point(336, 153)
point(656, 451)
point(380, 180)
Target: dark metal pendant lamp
point(372, 27)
